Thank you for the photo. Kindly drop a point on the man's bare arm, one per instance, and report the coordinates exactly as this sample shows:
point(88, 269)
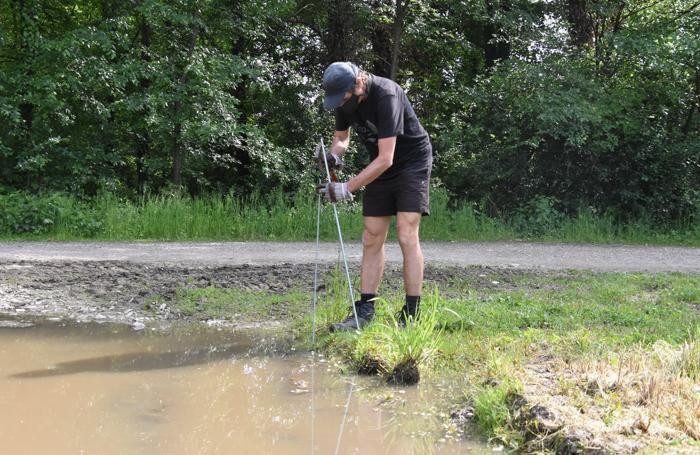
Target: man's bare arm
point(341, 140)
point(381, 163)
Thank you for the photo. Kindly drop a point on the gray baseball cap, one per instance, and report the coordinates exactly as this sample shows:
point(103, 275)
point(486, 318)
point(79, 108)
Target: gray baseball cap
point(338, 78)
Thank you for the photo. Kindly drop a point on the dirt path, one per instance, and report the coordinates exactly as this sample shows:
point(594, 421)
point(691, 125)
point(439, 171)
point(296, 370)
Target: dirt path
point(498, 254)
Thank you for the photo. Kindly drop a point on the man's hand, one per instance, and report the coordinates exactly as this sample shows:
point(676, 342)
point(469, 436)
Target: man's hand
point(335, 162)
point(335, 191)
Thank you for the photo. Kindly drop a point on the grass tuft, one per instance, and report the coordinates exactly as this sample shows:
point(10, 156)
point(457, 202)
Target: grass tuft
point(690, 356)
point(492, 411)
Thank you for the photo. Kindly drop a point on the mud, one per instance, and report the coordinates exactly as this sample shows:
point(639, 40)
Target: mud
point(125, 292)
point(139, 294)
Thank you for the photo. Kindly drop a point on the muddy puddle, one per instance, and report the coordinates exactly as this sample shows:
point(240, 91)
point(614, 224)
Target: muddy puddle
point(70, 388)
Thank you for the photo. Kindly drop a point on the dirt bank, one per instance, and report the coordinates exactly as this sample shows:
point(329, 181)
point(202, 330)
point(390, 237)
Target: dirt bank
point(119, 282)
point(137, 293)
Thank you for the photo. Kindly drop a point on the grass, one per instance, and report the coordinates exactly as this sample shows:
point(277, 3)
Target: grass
point(493, 413)
point(624, 348)
point(689, 363)
point(275, 216)
point(240, 306)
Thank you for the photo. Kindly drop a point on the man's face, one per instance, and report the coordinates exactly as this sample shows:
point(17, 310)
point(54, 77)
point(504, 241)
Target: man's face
point(357, 90)
point(347, 96)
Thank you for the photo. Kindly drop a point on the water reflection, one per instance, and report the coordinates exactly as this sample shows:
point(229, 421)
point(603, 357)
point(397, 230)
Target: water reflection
point(139, 361)
point(222, 395)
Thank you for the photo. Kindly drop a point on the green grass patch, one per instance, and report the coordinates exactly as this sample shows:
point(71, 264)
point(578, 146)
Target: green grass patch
point(240, 306)
point(482, 337)
point(276, 216)
point(492, 412)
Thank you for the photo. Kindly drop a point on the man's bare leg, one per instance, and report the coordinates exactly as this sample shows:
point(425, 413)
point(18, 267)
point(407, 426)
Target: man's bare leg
point(407, 226)
point(373, 238)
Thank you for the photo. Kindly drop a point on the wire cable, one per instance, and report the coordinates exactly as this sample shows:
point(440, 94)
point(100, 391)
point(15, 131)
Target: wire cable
point(342, 245)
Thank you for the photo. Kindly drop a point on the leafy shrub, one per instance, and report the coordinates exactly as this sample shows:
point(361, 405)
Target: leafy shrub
point(562, 130)
point(23, 214)
point(538, 216)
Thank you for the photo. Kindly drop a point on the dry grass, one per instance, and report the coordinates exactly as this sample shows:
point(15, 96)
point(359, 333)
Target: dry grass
point(642, 398)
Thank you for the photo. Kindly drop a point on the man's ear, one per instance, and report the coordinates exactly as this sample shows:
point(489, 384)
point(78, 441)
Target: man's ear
point(359, 85)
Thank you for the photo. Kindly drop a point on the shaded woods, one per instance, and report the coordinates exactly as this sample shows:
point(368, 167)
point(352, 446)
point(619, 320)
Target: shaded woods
point(552, 107)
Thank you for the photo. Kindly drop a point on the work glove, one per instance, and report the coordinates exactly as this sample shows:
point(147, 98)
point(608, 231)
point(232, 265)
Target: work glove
point(335, 162)
point(335, 191)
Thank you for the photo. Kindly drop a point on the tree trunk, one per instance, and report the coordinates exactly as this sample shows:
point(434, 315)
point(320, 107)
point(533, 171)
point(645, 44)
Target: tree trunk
point(580, 23)
point(380, 38)
point(386, 39)
point(397, 32)
point(143, 142)
point(695, 106)
point(339, 39)
point(177, 153)
point(496, 42)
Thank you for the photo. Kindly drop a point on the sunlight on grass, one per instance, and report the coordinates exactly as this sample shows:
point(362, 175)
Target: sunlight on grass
point(216, 303)
point(595, 330)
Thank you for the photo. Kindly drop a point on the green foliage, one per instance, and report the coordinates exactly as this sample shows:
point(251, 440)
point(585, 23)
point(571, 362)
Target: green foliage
point(612, 131)
point(23, 215)
point(528, 126)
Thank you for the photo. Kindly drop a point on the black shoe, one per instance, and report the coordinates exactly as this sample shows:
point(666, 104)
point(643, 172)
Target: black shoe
point(365, 314)
point(403, 316)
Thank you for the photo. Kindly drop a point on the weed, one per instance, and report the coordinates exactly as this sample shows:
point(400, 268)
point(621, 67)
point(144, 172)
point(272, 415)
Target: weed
point(492, 411)
point(690, 356)
point(153, 302)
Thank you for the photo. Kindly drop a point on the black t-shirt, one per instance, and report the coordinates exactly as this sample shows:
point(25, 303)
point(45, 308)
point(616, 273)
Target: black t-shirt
point(386, 112)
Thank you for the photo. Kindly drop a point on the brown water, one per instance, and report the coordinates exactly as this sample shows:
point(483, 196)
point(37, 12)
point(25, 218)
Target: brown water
point(105, 389)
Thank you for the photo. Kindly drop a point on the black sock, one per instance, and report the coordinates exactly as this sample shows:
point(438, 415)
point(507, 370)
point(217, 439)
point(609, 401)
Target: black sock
point(366, 298)
point(412, 302)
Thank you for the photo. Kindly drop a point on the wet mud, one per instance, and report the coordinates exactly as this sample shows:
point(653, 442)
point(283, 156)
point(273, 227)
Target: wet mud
point(139, 294)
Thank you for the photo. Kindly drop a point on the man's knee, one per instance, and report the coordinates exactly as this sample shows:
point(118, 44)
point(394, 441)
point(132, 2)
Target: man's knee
point(407, 234)
point(375, 232)
point(373, 239)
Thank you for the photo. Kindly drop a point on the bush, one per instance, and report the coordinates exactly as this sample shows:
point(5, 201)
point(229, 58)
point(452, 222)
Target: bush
point(24, 214)
point(559, 130)
point(49, 214)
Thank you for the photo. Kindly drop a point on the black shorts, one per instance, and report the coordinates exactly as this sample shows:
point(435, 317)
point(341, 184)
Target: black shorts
point(409, 191)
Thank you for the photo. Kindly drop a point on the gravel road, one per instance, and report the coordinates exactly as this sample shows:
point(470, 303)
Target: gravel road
point(499, 254)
